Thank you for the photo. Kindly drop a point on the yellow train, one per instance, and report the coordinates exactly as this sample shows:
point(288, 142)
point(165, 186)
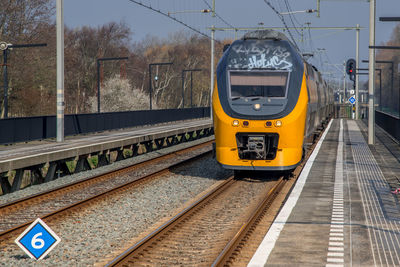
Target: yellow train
point(267, 103)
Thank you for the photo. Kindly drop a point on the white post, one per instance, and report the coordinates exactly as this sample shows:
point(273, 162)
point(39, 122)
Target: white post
point(212, 59)
point(60, 70)
point(212, 68)
point(371, 78)
point(344, 82)
point(357, 66)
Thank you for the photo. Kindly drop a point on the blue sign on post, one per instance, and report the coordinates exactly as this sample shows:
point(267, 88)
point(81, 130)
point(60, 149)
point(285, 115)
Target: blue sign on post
point(352, 100)
point(37, 240)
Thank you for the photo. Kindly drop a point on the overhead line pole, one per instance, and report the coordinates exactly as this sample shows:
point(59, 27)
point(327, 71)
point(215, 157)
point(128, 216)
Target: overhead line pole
point(344, 82)
point(371, 78)
point(357, 64)
point(60, 70)
point(212, 57)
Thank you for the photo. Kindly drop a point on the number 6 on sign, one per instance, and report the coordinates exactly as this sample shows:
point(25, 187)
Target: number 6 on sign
point(37, 240)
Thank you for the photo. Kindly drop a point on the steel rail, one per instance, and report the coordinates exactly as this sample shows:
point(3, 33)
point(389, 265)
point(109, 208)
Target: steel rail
point(250, 224)
point(107, 175)
point(146, 241)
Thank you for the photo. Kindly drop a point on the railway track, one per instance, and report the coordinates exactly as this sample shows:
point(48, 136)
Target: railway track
point(202, 234)
point(199, 232)
point(18, 214)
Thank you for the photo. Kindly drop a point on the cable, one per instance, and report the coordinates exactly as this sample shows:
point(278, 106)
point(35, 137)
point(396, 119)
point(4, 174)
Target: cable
point(218, 16)
point(291, 10)
point(173, 18)
point(284, 23)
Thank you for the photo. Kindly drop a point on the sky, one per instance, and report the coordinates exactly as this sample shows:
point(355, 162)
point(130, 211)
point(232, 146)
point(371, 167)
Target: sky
point(332, 46)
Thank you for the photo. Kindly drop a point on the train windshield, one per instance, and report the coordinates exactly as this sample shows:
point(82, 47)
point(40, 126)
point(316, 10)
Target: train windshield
point(258, 84)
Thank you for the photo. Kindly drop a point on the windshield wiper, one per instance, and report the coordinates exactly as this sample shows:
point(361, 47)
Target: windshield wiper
point(235, 98)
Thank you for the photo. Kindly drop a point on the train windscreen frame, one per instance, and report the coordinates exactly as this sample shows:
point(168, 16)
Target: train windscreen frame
point(250, 84)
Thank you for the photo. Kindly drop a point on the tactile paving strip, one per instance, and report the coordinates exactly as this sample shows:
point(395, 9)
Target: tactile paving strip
point(380, 207)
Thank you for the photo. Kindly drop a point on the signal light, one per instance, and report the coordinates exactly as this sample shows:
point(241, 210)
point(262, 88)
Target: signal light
point(235, 123)
point(245, 123)
point(350, 68)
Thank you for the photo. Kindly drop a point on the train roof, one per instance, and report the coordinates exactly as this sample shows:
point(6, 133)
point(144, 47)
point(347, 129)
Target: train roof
point(265, 35)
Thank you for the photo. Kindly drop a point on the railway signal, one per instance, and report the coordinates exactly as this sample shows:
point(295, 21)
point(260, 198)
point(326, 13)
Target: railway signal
point(351, 68)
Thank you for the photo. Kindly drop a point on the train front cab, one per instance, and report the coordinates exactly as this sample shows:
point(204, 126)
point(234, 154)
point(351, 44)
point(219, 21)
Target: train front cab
point(286, 154)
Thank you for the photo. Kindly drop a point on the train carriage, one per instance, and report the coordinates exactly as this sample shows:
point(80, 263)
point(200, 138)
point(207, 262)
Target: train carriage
point(267, 102)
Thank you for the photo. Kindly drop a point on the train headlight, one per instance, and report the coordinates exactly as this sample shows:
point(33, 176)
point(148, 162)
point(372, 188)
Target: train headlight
point(257, 106)
point(235, 123)
point(278, 123)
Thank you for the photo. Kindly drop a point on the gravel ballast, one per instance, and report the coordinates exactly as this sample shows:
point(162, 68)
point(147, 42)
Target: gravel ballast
point(101, 230)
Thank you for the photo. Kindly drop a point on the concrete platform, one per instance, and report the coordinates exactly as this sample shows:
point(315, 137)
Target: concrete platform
point(341, 211)
point(34, 156)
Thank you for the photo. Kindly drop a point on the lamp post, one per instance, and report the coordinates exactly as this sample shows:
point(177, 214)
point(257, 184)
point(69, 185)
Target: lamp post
point(99, 60)
point(150, 86)
point(5, 47)
point(191, 86)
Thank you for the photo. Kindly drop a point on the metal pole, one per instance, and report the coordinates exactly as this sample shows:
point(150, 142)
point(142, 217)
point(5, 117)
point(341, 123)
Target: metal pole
point(5, 83)
point(150, 86)
point(191, 89)
point(183, 89)
point(371, 78)
point(212, 57)
point(357, 76)
point(318, 8)
point(380, 89)
point(212, 68)
point(60, 70)
point(344, 81)
point(392, 85)
point(98, 86)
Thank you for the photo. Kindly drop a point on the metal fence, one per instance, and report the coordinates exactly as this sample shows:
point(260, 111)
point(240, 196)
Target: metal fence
point(13, 130)
point(388, 122)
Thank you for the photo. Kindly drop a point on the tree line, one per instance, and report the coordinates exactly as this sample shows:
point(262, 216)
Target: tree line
point(124, 83)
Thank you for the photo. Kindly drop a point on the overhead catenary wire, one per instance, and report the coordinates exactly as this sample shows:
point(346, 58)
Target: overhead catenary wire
point(173, 18)
point(218, 16)
point(284, 23)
